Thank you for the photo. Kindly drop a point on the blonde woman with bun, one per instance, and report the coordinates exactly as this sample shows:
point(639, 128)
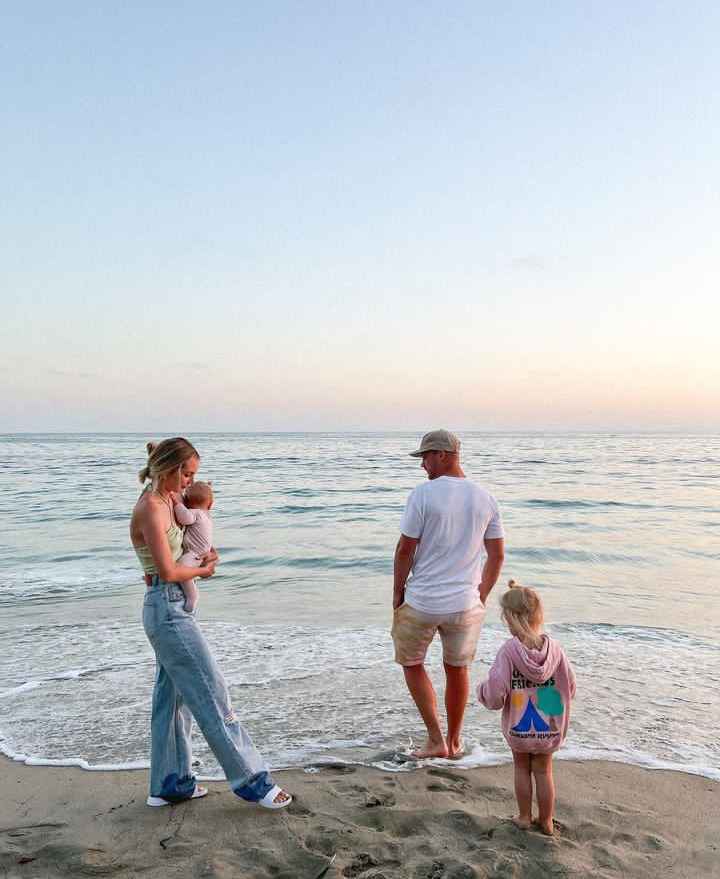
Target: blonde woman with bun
point(533, 682)
point(188, 682)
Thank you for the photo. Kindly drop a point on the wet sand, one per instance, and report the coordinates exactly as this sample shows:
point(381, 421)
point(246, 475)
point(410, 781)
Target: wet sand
point(434, 823)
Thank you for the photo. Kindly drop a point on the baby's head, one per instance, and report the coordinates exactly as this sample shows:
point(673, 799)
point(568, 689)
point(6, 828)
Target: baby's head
point(522, 610)
point(199, 496)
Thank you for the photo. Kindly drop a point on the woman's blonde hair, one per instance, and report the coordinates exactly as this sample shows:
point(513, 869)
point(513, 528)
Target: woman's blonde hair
point(165, 457)
point(522, 610)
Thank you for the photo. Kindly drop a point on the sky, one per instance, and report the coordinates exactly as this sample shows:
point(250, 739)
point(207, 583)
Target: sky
point(359, 215)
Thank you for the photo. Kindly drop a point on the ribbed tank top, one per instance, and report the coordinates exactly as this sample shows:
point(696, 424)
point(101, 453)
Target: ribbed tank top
point(175, 539)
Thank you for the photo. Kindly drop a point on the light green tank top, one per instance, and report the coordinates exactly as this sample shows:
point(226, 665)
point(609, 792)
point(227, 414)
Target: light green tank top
point(174, 537)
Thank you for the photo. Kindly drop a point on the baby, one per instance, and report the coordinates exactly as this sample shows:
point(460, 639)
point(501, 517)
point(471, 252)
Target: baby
point(194, 513)
point(533, 682)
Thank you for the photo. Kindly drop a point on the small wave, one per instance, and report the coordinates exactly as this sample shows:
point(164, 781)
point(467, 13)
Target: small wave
point(581, 504)
point(573, 555)
point(369, 563)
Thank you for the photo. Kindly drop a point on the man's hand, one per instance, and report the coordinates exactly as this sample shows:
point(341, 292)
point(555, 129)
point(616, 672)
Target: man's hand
point(404, 557)
point(495, 549)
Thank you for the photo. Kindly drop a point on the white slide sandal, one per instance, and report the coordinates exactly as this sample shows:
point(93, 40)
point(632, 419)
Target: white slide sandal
point(161, 801)
point(268, 801)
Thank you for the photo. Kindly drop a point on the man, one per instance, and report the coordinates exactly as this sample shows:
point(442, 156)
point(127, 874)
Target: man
point(447, 523)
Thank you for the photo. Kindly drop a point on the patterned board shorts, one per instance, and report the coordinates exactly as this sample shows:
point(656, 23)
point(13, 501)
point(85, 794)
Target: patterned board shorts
point(413, 630)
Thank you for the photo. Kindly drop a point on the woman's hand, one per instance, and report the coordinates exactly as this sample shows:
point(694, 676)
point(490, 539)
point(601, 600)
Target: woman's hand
point(207, 570)
point(210, 556)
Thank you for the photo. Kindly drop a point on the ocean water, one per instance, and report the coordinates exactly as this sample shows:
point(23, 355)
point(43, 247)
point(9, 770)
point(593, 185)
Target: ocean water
point(620, 533)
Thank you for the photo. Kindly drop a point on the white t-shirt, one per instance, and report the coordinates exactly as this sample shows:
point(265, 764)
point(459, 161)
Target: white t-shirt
point(452, 516)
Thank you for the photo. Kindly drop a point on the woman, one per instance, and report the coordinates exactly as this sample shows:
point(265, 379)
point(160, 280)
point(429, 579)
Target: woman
point(188, 682)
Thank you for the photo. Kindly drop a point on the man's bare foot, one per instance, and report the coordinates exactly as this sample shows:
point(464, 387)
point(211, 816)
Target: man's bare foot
point(546, 827)
point(456, 750)
point(431, 749)
point(524, 823)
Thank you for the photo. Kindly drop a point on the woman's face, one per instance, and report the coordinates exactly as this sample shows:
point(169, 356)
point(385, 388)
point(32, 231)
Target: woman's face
point(188, 471)
point(183, 476)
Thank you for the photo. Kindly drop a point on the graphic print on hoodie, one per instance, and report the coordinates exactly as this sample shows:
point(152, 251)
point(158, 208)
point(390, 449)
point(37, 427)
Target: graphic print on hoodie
point(534, 688)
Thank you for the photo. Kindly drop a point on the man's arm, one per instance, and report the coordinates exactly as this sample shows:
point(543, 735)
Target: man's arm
point(495, 549)
point(404, 556)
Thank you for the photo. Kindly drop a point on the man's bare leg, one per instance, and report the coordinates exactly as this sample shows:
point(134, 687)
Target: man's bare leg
point(423, 693)
point(457, 690)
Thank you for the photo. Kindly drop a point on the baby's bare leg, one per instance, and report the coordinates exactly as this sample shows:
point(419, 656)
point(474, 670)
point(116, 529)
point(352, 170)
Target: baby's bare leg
point(191, 593)
point(189, 587)
point(523, 789)
point(545, 790)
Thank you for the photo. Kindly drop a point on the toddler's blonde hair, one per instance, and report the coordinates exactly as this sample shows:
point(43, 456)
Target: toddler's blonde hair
point(522, 610)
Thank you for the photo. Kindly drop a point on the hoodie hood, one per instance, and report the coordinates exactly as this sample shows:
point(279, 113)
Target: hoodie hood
point(536, 665)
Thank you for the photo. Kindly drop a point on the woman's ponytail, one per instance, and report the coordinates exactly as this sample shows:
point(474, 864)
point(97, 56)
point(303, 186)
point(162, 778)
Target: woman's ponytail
point(164, 457)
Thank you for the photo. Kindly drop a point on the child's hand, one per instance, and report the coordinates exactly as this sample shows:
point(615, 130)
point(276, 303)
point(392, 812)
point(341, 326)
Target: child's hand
point(175, 497)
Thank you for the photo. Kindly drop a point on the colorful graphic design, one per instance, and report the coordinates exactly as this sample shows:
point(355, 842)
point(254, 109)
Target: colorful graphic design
point(531, 719)
point(549, 701)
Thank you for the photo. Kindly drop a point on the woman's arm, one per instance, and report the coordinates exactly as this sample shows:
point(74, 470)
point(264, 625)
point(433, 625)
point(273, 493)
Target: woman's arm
point(153, 529)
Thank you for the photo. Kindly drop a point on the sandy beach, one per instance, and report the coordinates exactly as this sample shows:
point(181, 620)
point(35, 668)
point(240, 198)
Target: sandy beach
point(435, 823)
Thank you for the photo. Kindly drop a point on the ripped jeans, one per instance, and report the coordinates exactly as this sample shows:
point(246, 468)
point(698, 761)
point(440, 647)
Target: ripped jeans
point(188, 683)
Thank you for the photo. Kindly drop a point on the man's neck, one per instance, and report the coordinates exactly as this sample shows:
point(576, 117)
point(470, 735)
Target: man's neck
point(456, 471)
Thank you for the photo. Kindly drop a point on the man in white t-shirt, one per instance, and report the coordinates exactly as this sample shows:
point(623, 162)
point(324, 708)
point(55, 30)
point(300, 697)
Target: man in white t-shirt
point(448, 525)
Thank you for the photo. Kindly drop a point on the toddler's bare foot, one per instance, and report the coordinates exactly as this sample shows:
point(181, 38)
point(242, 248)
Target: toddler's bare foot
point(431, 749)
point(545, 827)
point(522, 821)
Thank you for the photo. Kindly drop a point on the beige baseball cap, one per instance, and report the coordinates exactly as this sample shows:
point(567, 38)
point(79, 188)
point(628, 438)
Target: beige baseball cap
point(437, 441)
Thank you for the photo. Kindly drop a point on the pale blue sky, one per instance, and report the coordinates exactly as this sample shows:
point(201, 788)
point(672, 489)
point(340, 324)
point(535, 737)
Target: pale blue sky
point(359, 215)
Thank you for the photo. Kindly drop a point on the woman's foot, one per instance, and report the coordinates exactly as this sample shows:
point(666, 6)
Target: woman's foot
point(431, 749)
point(275, 798)
point(161, 801)
point(524, 822)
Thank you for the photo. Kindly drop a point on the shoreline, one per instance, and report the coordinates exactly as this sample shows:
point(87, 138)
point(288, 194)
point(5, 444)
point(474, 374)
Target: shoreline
point(386, 762)
point(437, 822)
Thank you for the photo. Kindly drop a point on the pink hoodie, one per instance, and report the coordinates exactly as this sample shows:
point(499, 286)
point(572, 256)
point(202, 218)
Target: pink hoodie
point(534, 689)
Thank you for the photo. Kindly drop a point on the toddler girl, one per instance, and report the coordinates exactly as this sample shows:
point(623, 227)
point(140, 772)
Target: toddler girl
point(533, 682)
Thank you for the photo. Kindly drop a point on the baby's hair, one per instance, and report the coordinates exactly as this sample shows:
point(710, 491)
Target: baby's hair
point(198, 493)
point(165, 457)
point(522, 610)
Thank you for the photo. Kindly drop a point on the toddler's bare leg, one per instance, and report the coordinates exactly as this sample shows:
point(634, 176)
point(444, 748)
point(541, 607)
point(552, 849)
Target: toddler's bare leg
point(523, 789)
point(545, 791)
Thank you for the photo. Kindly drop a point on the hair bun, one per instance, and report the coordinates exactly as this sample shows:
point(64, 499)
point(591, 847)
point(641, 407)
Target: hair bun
point(151, 448)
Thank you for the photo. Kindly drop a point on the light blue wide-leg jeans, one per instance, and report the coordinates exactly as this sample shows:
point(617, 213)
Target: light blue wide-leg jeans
point(188, 683)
